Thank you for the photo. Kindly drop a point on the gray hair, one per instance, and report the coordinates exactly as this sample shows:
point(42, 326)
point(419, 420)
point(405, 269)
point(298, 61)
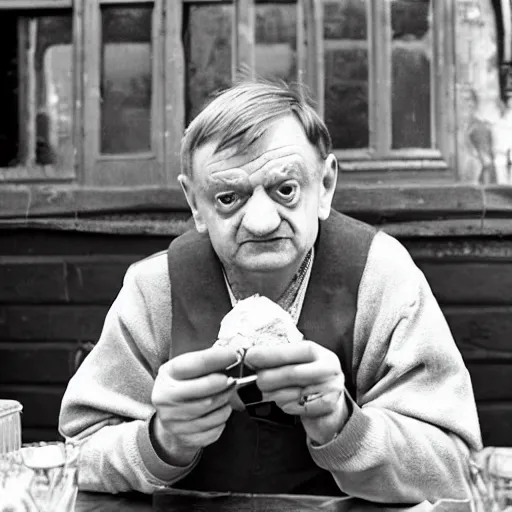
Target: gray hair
point(238, 116)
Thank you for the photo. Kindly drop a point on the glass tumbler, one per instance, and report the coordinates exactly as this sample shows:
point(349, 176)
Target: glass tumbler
point(10, 425)
point(39, 477)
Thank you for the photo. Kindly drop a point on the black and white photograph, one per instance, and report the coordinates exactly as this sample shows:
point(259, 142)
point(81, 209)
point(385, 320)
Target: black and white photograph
point(256, 256)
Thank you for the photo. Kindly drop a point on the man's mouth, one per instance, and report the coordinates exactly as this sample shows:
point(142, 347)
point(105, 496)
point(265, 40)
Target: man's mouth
point(265, 240)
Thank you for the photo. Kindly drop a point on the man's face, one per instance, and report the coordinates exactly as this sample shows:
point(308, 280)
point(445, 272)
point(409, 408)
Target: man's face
point(261, 208)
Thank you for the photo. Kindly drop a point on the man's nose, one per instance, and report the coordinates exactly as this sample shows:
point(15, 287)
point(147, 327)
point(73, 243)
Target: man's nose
point(261, 217)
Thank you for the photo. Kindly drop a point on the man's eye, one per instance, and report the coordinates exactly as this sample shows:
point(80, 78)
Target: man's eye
point(227, 199)
point(288, 191)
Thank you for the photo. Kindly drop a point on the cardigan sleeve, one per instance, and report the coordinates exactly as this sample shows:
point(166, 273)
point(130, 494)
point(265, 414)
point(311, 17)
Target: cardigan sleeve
point(414, 417)
point(107, 404)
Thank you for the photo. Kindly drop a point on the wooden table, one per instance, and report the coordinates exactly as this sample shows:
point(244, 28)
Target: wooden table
point(203, 502)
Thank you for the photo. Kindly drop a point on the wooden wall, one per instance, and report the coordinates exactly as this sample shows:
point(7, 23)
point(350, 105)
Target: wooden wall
point(56, 287)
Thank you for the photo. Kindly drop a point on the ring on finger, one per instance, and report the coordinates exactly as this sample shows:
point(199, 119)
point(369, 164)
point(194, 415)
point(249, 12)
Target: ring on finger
point(304, 399)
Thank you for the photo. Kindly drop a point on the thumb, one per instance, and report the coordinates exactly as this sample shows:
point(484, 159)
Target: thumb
point(236, 403)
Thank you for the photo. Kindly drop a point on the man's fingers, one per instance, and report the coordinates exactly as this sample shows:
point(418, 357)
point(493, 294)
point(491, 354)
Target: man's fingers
point(322, 406)
point(184, 411)
point(205, 423)
point(296, 375)
point(283, 396)
point(201, 362)
point(202, 387)
point(235, 402)
point(282, 355)
point(202, 439)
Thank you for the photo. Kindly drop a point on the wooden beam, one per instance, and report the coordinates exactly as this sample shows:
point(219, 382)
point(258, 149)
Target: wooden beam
point(379, 79)
point(391, 202)
point(27, 40)
point(35, 4)
point(497, 198)
point(174, 93)
point(24, 201)
point(91, 23)
point(78, 88)
point(174, 224)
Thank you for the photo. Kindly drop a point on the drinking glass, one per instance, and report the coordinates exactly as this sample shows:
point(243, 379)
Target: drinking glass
point(39, 477)
point(10, 425)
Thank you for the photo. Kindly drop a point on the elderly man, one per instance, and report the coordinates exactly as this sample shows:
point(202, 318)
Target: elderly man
point(375, 402)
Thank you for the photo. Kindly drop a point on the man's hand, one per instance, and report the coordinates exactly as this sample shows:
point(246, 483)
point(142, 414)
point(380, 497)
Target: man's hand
point(191, 399)
point(289, 373)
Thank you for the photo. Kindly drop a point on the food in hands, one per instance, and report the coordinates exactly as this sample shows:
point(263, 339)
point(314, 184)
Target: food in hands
point(257, 321)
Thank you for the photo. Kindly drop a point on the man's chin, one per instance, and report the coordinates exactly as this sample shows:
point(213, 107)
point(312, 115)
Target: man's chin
point(265, 263)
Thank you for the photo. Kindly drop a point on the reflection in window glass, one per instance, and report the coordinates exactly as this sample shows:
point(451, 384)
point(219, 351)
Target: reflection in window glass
point(346, 73)
point(276, 42)
point(207, 42)
point(126, 79)
point(54, 79)
point(37, 123)
point(411, 83)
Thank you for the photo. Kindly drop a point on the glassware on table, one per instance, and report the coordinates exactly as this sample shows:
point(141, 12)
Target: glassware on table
point(491, 479)
point(10, 425)
point(39, 477)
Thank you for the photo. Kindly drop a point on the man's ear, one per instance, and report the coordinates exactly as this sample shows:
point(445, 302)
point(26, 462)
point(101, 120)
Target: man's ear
point(327, 186)
point(190, 193)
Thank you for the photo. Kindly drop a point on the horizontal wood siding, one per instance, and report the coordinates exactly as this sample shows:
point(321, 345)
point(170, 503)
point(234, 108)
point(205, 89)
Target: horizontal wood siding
point(55, 290)
point(471, 278)
point(56, 287)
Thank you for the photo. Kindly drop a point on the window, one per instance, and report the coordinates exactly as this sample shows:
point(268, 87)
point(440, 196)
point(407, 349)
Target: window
point(274, 40)
point(123, 97)
point(36, 129)
point(389, 98)
point(97, 93)
point(208, 52)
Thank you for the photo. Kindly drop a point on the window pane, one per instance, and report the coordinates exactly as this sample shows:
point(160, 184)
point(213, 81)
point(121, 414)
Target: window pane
point(207, 42)
point(9, 91)
point(276, 41)
point(36, 62)
point(54, 82)
point(346, 73)
point(411, 83)
point(126, 78)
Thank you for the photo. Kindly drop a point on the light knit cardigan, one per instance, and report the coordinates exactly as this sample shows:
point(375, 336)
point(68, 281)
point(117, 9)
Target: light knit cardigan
point(414, 417)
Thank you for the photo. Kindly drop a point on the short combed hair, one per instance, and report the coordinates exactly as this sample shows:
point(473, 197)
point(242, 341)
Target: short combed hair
point(238, 116)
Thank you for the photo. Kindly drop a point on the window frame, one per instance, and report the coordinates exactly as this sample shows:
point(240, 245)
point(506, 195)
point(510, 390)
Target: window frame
point(29, 172)
point(35, 4)
point(401, 190)
point(380, 155)
point(132, 169)
point(91, 189)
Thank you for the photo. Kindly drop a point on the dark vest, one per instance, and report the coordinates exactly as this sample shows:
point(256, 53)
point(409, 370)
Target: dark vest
point(254, 454)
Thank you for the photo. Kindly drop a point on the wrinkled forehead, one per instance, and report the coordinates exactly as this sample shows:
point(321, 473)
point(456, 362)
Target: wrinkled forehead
point(267, 169)
point(283, 145)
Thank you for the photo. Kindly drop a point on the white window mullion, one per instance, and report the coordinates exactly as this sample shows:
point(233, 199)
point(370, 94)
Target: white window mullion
point(310, 49)
point(78, 88)
point(92, 94)
point(379, 16)
point(436, 75)
point(174, 88)
point(27, 33)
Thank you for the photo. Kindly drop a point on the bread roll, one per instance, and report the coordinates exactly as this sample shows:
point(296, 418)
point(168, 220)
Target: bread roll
point(257, 321)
